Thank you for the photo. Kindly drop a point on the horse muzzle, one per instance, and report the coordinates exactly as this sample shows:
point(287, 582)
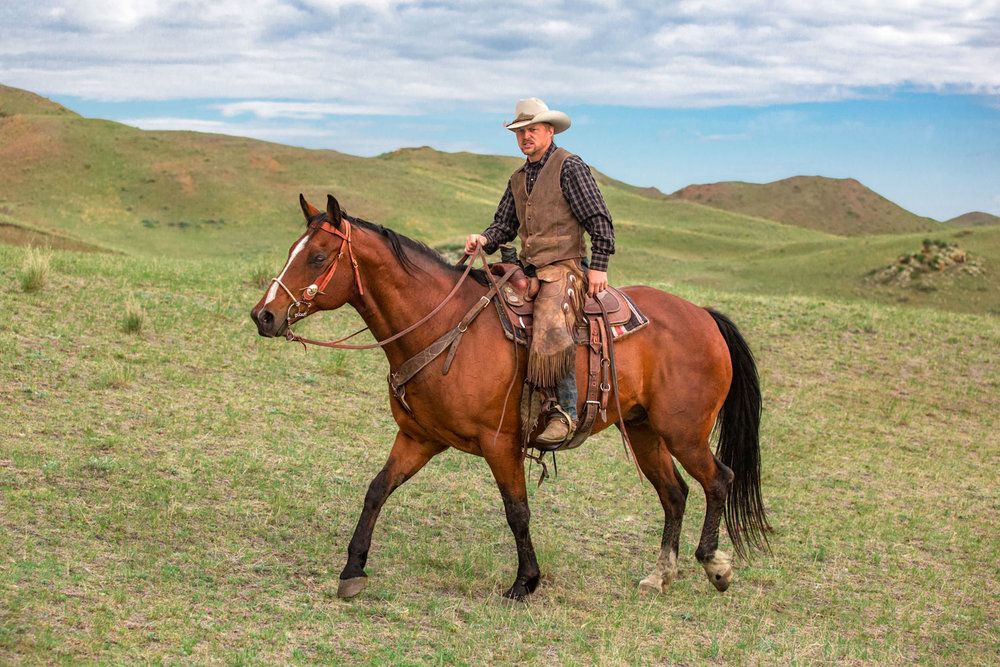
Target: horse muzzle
point(268, 325)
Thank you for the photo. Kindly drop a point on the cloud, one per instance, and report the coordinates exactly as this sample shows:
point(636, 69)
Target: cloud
point(303, 110)
point(357, 137)
point(436, 57)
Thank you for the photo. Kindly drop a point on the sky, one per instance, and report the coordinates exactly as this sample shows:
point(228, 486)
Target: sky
point(902, 95)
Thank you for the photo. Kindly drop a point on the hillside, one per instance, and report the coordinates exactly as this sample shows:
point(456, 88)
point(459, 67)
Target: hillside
point(974, 219)
point(837, 206)
point(193, 194)
point(15, 101)
point(73, 182)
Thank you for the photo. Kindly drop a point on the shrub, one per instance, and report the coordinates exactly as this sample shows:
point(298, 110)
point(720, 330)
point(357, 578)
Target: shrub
point(115, 375)
point(34, 273)
point(134, 318)
point(260, 276)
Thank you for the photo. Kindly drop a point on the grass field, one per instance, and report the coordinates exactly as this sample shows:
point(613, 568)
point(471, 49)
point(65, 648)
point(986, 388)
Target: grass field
point(183, 491)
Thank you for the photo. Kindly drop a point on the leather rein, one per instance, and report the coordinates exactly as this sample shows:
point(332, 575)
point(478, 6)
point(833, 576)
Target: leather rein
point(299, 308)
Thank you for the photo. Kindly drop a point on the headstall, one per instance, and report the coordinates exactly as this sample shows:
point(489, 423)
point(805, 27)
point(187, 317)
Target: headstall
point(299, 307)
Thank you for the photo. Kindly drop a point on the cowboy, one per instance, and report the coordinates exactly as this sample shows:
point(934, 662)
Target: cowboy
point(549, 202)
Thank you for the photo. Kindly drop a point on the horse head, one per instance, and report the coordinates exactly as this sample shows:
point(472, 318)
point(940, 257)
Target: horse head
point(310, 281)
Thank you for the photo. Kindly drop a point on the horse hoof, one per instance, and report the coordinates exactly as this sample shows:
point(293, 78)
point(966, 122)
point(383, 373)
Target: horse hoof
point(722, 580)
point(719, 571)
point(520, 591)
point(515, 594)
point(348, 588)
point(651, 585)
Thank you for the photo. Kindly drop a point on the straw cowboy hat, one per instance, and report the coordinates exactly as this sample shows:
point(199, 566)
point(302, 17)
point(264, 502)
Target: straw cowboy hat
point(533, 110)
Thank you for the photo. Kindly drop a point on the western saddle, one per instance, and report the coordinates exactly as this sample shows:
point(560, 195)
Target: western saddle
point(609, 316)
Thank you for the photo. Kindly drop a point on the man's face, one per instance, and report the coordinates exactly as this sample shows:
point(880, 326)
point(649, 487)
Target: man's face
point(534, 140)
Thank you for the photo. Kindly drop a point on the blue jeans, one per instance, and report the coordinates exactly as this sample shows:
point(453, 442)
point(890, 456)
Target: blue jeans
point(566, 394)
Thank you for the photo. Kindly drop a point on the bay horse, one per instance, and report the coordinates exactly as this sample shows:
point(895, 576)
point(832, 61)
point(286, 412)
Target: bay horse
point(679, 376)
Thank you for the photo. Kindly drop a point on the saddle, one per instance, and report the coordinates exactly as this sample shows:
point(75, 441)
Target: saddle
point(517, 308)
point(609, 315)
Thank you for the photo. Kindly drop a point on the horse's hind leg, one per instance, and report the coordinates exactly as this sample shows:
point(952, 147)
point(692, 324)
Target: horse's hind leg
point(658, 466)
point(716, 479)
point(406, 458)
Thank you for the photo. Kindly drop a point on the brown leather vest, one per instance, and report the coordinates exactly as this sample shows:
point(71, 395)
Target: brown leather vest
point(548, 229)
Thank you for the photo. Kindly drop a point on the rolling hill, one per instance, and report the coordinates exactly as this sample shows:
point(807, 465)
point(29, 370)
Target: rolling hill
point(837, 206)
point(74, 182)
point(975, 219)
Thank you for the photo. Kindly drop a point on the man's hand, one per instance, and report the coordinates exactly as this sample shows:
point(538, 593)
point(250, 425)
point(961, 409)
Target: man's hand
point(472, 240)
point(597, 281)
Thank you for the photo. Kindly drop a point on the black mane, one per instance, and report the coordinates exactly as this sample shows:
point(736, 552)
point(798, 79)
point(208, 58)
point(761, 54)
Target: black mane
point(402, 246)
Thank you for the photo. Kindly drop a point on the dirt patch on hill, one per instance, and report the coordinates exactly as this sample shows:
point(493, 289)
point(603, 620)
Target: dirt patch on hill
point(180, 173)
point(12, 234)
point(266, 163)
point(26, 142)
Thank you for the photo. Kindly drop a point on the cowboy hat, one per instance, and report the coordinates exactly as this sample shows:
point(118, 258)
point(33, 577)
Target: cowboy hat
point(533, 110)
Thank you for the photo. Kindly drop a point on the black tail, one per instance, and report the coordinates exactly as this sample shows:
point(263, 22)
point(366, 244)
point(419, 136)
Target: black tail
point(739, 444)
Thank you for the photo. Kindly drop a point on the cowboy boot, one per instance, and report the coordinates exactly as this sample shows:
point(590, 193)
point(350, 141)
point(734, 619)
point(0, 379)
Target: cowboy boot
point(562, 414)
point(557, 430)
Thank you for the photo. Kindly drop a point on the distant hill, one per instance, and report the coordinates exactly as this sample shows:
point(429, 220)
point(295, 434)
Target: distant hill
point(837, 206)
point(974, 219)
point(79, 183)
point(190, 194)
point(16, 101)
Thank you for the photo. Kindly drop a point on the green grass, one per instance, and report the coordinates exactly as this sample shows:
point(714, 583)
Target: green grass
point(34, 271)
point(134, 318)
point(187, 495)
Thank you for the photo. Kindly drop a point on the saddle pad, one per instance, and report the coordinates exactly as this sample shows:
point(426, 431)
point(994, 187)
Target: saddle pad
point(520, 330)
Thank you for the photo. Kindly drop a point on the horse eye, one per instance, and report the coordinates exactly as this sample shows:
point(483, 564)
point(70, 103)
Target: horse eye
point(318, 258)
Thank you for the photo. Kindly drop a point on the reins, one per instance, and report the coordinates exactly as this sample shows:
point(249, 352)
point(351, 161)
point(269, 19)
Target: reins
point(310, 292)
point(449, 340)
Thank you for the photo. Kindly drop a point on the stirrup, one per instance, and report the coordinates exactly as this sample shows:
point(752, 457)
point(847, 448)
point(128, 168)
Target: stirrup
point(556, 412)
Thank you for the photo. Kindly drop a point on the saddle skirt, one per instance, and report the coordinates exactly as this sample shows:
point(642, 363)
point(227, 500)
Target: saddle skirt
point(516, 311)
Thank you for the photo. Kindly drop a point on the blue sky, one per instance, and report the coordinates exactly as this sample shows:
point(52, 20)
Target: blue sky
point(902, 95)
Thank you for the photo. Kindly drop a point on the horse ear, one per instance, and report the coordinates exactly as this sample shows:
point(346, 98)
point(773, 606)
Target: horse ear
point(333, 210)
point(308, 209)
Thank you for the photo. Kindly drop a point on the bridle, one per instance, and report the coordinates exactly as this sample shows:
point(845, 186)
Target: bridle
point(299, 308)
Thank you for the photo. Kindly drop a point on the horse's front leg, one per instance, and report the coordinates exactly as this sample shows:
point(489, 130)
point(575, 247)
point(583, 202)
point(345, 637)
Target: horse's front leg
point(508, 470)
point(406, 458)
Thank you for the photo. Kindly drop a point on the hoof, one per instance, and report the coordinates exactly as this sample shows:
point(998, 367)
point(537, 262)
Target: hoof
point(664, 574)
point(651, 585)
point(719, 571)
point(521, 589)
point(348, 588)
point(721, 580)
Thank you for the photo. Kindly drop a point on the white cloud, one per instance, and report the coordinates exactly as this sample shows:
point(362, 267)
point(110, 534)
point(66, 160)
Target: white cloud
point(357, 137)
point(387, 56)
point(303, 110)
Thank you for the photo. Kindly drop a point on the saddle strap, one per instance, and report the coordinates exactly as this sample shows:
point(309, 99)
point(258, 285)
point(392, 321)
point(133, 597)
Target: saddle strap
point(597, 390)
point(409, 368)
point(614, 383)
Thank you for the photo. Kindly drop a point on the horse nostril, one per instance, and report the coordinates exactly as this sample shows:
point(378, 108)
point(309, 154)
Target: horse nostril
point(265, 317)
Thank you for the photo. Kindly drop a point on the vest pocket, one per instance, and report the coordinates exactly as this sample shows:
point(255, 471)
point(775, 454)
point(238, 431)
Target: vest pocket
point(544, 244)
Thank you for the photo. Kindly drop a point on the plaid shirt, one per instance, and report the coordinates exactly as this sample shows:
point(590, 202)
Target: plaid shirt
point(584, 198)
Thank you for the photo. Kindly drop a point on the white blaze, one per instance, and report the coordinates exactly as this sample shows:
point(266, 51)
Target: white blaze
point(273, 292)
